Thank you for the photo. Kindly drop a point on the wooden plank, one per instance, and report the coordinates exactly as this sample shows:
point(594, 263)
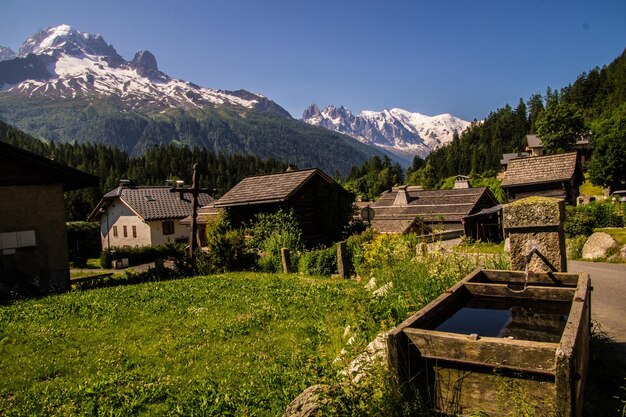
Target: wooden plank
point(530, 293)
point(556, 278)
point(519, 355)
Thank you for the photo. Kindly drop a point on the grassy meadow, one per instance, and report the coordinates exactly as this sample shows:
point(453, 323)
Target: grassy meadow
point(233, 344)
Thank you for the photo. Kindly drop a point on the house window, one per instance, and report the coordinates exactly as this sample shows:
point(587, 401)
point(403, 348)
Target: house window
point(114, 231)
point(168, 228)
point(134, 231)
point(125, 231)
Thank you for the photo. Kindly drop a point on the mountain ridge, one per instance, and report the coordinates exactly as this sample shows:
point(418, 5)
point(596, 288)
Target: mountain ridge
point(69, 86)
point(398, 131)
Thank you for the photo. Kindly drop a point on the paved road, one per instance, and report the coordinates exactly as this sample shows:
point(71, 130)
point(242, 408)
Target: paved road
point(608, 298)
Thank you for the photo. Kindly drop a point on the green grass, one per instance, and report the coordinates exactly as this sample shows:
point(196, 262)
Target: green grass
point(480, 247)
point(233, 344)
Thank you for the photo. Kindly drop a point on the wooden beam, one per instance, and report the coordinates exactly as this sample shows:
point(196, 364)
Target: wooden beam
point(519, 355)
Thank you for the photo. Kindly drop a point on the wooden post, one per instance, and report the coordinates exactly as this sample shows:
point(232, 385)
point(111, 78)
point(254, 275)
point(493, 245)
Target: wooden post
point(341, 259)
point(422, 249)
point(285, 255)
point(194, 190)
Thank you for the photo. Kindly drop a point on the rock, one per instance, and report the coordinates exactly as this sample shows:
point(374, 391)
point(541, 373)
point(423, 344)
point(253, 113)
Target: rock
point(382, 291)
point(597, 245)
point(308, 403)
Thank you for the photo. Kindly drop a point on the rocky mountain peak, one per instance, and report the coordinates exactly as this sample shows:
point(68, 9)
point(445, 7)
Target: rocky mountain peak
point(6, 53)
point(65, 39)
point(398, 131)
point(310, 112)
point(144, 59)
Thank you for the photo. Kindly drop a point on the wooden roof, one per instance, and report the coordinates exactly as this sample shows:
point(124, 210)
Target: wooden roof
point(270, 188)
point(151, 203)
point(541, 169)
point(434, 205)
point(21, 167)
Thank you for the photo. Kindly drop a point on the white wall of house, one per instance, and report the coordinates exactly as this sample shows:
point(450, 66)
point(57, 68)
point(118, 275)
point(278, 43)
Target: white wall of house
point(120, 216)
point(144, 233)
point(181, 232)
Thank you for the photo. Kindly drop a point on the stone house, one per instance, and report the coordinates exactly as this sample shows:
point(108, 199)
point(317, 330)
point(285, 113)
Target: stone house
point(33, 236)
point(132, 215)
point(557, 176)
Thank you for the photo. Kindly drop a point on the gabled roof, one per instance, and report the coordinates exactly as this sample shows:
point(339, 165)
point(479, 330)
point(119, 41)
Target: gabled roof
point(542, 169)
point(151, 203)
point(434, 205)
point(269, 188)
point(534, 141)
point(21, 167)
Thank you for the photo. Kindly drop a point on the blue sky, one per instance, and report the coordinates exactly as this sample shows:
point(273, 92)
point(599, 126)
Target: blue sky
point(461, 57)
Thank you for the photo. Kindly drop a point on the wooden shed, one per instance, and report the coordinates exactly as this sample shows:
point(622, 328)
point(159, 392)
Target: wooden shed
point(321, 206)
point(557, 176)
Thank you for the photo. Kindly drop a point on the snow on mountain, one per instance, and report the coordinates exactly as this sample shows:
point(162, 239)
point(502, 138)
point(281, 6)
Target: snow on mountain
point(398, 131)
point(6, 53)
point(65, 63)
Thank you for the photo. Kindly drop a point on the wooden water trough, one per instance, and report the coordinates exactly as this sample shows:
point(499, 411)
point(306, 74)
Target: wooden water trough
point(496, 342)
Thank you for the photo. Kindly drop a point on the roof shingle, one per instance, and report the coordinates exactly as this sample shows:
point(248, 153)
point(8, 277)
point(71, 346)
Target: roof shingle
point(155, 203)
point(266, 188)
point(540, 169)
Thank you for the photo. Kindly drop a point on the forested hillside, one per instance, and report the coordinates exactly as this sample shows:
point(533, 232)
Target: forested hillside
point(218, 171)
point(598, 97)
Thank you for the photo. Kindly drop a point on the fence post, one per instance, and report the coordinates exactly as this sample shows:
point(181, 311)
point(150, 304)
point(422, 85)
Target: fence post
point(284, 253)
point(341, 258)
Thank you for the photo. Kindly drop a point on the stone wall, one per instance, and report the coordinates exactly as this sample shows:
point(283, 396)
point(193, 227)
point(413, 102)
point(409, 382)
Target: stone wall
point(536, 222)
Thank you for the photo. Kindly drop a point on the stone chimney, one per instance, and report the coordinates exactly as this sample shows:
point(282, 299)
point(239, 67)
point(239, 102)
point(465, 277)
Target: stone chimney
point(402, 197)
point(461, 182)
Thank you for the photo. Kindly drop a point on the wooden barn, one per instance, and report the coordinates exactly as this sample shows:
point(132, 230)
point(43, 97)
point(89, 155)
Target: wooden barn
point(438, 209)
point(321, 206)
point(557, 176)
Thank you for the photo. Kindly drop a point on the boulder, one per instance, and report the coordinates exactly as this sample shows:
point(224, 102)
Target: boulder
point(597, 245)
point(308, 403)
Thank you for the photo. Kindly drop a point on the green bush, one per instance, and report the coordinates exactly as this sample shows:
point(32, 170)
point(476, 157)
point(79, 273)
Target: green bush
point(226, 249)
point(83, 241)
point(318, 262)
point(578, 222)
point(142, 254)
point(270, 232)
point(574, 247)
point(581, 220)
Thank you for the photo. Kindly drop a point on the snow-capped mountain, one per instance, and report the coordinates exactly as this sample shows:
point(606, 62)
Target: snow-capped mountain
point(65, 63)
point(398, 131)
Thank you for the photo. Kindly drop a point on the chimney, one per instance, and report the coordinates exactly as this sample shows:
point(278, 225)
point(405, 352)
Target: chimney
point(125, 183)
point(402, 197)
point(461, 182)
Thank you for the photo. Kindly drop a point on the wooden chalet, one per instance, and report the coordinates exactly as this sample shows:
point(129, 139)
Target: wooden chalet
point(318, 202)
point(33, 236)
point(438, 209)
point(557, 176)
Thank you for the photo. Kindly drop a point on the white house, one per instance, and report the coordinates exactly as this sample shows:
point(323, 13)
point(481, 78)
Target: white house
point(133, 215)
